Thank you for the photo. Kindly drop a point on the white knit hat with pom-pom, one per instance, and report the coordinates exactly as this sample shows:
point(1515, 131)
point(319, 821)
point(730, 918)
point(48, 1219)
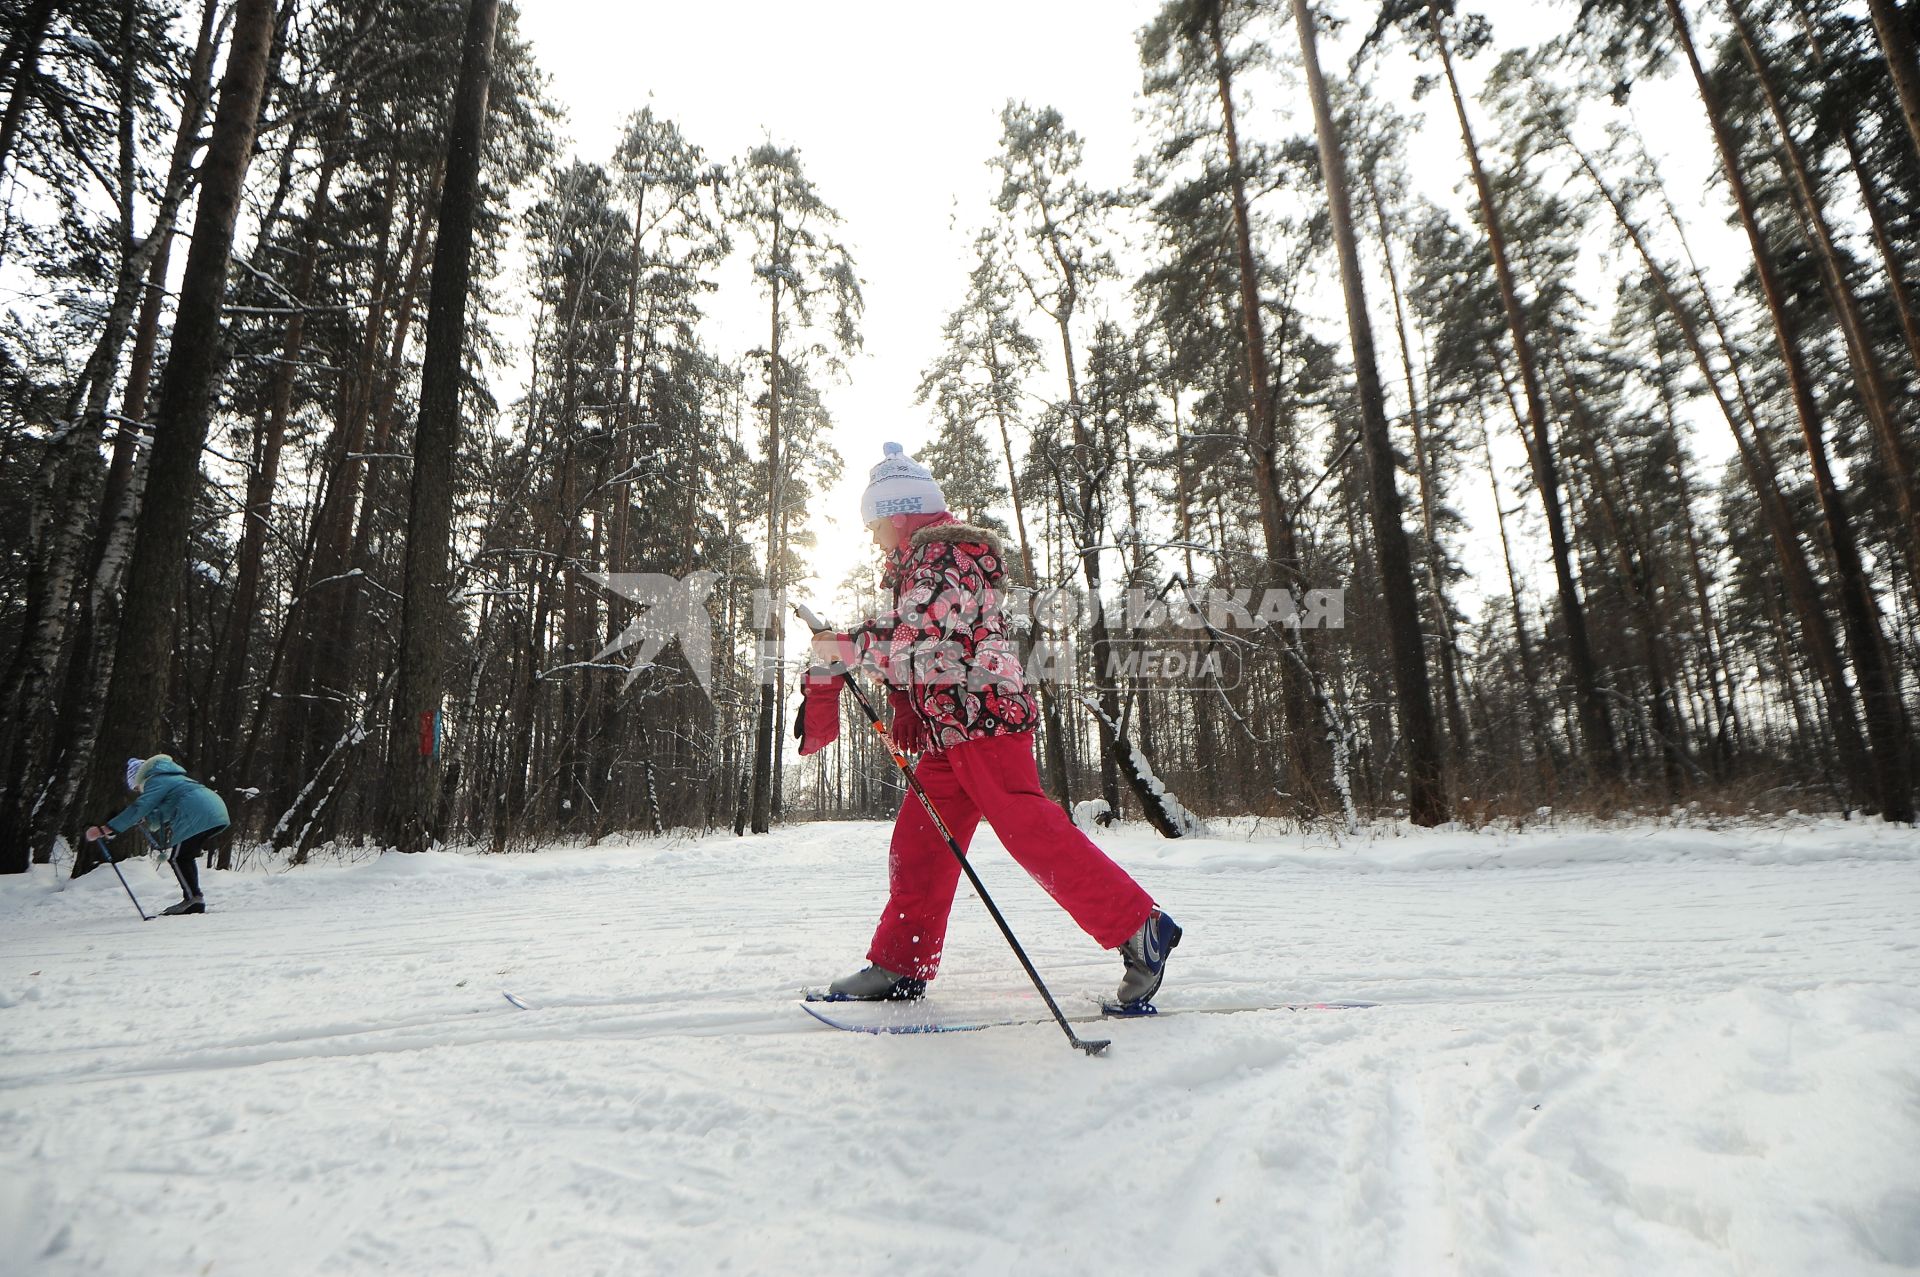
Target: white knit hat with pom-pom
point(900, 485)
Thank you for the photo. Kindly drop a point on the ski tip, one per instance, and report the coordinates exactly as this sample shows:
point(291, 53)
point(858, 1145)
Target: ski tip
point(516, 1001)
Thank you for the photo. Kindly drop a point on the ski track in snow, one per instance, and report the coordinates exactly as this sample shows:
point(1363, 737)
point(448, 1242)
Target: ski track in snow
point(1628, 1051)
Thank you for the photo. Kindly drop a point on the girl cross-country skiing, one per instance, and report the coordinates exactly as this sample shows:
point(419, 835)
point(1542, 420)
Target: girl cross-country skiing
point(959, 697)
point(184, 815)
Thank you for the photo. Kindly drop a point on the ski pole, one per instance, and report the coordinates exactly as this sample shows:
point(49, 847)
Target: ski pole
point(101, 843)
point(173, 863)
point(151, 840)
point(1090, 1046)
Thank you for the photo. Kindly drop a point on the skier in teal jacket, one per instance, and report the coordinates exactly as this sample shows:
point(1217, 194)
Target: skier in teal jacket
point(181, 813)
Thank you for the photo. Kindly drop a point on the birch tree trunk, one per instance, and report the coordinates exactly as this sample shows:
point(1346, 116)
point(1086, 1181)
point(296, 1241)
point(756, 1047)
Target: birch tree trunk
point(764, 722)
point(137, 695)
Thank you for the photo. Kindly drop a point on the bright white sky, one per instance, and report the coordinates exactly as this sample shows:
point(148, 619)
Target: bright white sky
point(895, 111)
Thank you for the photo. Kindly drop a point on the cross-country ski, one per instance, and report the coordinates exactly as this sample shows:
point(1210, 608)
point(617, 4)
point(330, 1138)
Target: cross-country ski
point(885, 1018)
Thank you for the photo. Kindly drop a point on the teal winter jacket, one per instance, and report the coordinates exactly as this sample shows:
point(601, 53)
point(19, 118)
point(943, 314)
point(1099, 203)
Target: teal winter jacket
point(175, 806)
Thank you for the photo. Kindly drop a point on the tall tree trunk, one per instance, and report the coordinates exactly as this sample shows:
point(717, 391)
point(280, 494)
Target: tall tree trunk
point(1719, 673)
point(92, 645)
point(314, 683)
point(426, 610)
point(764, 725)
point(1871, 380)
point(1633, 553)
point(137, 696)
point(1523, 644)
point(1276, 521)
point(1423, 469)
point(263, 482)
point(1762, 473)
point(1088, 526)
point(342, 640)
point(1056, 753)
point(1595, 728)
point(1891, 26)
point(1413, 696)
point(21, 58)
point(1596, 731)
point(779, 768)
point(1205, 749)
point(62, 566)
point(1871, 199)
point(1887, 729)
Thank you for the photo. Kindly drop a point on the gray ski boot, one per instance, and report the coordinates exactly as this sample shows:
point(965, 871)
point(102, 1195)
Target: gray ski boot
point(877, 984)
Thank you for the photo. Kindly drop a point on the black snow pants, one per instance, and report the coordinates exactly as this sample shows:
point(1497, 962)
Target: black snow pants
point(185, 856)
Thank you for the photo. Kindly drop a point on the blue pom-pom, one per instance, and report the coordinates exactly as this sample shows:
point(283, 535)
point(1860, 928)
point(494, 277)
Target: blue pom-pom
point(893, 450)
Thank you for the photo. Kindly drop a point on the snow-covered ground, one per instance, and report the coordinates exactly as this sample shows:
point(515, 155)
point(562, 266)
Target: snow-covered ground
point(1646, 1050)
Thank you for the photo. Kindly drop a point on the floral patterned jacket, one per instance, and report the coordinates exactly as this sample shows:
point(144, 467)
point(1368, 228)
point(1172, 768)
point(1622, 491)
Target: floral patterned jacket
point(944, 646)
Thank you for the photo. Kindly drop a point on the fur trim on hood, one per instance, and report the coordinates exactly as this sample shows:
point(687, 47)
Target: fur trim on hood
point(961, 534)
point(950, 531)
point(153, 764)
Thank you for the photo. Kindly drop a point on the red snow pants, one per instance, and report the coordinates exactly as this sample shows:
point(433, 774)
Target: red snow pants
point(994, 777)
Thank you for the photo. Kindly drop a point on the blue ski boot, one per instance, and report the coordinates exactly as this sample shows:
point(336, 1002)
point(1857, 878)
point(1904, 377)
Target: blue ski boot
point(1145, 954)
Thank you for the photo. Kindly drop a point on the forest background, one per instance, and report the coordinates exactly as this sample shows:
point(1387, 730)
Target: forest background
point(1574, 342)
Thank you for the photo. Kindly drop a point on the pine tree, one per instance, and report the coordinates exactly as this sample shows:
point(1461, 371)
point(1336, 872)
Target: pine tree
point(413, 793)
point(802, 267)
point(1427, 800)
point(1596, 729)
point(1055, 217)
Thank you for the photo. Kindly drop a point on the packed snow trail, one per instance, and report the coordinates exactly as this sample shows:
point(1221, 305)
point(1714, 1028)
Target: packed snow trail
point(1622, 1051)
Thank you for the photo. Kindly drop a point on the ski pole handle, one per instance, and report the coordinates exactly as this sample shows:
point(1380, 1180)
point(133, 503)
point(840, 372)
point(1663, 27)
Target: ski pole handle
point(819, 627)
point(813, 622)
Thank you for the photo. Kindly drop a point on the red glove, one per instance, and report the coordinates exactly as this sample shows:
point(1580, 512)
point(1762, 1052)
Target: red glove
point(909, 730)
point(817, 725)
